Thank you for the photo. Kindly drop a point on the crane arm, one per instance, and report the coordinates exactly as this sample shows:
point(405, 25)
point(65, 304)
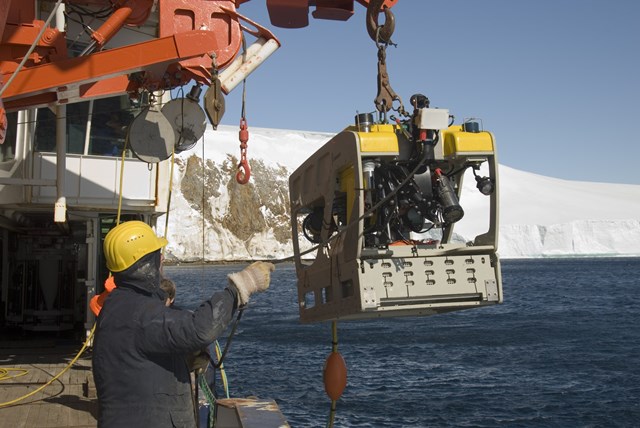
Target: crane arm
point(189, 40)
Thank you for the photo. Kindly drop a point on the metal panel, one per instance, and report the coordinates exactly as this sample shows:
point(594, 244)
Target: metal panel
point(248, 413)
point(92, 181)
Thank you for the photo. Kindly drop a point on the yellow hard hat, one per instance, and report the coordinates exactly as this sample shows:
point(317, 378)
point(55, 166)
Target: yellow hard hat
point(128, 242)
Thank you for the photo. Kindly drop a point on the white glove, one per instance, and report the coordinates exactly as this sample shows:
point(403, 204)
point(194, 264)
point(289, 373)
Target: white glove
point(253, 278)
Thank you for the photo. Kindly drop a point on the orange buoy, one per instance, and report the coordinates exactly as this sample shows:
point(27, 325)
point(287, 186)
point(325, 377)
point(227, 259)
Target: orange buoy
point(335, 375)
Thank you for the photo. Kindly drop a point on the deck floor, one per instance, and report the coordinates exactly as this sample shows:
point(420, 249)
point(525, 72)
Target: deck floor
point(69, 401)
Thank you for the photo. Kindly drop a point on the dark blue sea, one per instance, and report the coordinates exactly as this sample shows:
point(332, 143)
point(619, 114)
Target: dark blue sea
point(562, 351)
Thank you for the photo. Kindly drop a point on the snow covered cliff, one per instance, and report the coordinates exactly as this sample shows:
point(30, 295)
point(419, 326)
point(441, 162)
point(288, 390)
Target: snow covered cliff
point(213, 218)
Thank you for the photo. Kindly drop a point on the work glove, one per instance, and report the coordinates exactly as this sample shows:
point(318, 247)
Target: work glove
point(251, 279)
point(198, 361)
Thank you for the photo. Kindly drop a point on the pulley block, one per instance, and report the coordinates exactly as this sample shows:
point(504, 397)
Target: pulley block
point(188, 121)
point(151, 136)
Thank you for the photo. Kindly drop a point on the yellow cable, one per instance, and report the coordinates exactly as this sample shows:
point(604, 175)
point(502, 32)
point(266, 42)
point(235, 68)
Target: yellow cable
point(4, 373)
point(223, 373)
point(124, 152)
point(334, 336)
point(84, 346)
point(332, 414)
point(334, 348)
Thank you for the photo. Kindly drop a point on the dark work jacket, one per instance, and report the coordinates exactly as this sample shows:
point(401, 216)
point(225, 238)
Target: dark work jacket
point(140, 345)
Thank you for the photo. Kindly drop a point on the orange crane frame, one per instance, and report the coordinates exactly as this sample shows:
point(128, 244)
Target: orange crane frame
point(191, 34)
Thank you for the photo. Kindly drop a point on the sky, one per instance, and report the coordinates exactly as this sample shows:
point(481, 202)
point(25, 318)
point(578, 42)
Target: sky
point(556, 81)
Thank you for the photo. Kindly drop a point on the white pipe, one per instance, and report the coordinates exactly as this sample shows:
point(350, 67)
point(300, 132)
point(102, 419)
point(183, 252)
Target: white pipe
point(87, 134)
point(60, 211)
point(92, 241)
point(237, 62)
point(60, 21)
point(27, 149)
point(249, 65)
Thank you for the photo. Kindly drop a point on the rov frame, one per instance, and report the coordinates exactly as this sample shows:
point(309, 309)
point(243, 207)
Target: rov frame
point(348, 280)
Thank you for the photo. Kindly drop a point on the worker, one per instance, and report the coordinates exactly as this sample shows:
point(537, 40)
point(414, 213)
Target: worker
point(141, 377)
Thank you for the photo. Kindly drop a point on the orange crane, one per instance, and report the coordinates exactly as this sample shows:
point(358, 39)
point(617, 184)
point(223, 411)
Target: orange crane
point(195, 39)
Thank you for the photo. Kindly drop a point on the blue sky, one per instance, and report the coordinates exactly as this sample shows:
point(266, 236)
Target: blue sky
point(556, 81)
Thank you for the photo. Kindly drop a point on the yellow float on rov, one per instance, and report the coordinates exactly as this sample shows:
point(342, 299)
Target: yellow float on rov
point(381, 201)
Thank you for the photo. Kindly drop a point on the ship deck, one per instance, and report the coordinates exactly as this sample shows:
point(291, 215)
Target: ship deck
point(27, 363)
point(69, 401)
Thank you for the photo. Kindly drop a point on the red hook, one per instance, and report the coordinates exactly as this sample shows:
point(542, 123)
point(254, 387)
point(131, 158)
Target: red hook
point(244, 170)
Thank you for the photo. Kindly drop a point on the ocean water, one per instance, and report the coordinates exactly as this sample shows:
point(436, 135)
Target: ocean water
point(562, 351)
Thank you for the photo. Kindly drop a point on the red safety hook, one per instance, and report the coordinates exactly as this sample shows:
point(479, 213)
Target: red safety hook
point(244, 171)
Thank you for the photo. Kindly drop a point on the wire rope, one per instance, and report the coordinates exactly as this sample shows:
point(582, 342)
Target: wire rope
point(166, 220)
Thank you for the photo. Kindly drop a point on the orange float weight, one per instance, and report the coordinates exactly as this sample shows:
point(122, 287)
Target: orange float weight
point(335, 375)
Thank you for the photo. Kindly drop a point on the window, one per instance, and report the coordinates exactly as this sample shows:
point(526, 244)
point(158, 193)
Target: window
point(110, 119)
point(107, 119)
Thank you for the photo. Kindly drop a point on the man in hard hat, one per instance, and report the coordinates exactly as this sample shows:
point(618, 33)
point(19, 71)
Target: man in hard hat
point(140, 344)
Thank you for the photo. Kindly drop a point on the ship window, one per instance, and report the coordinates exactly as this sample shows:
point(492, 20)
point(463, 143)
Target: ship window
point(45, 140)
point(109, 122)
point(8, 148)
point(109, 119)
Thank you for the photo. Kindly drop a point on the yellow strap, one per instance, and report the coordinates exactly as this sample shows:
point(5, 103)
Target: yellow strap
point(124, 152)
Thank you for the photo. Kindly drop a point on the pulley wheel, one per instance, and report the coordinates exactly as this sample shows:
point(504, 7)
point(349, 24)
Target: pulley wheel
point(188, 121)
point(151, 136)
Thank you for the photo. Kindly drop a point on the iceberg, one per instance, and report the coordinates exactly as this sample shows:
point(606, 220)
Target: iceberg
point(540, 216)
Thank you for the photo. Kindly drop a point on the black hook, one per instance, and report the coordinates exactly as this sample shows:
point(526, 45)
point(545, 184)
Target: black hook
point(380, 33)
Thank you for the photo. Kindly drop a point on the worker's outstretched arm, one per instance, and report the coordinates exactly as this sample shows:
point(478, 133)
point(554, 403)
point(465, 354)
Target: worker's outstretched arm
point(170, 330)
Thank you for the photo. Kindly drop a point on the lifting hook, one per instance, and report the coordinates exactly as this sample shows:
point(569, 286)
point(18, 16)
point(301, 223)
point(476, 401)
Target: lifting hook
point(244, 170)
point(380, 33)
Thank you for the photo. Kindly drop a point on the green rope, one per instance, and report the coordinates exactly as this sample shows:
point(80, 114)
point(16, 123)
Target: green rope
point(211, 399)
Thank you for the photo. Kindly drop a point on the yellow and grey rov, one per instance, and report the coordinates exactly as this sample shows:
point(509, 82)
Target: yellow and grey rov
point(381, 201)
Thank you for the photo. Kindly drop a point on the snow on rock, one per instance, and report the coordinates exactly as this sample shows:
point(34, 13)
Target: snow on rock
point(539, 216)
